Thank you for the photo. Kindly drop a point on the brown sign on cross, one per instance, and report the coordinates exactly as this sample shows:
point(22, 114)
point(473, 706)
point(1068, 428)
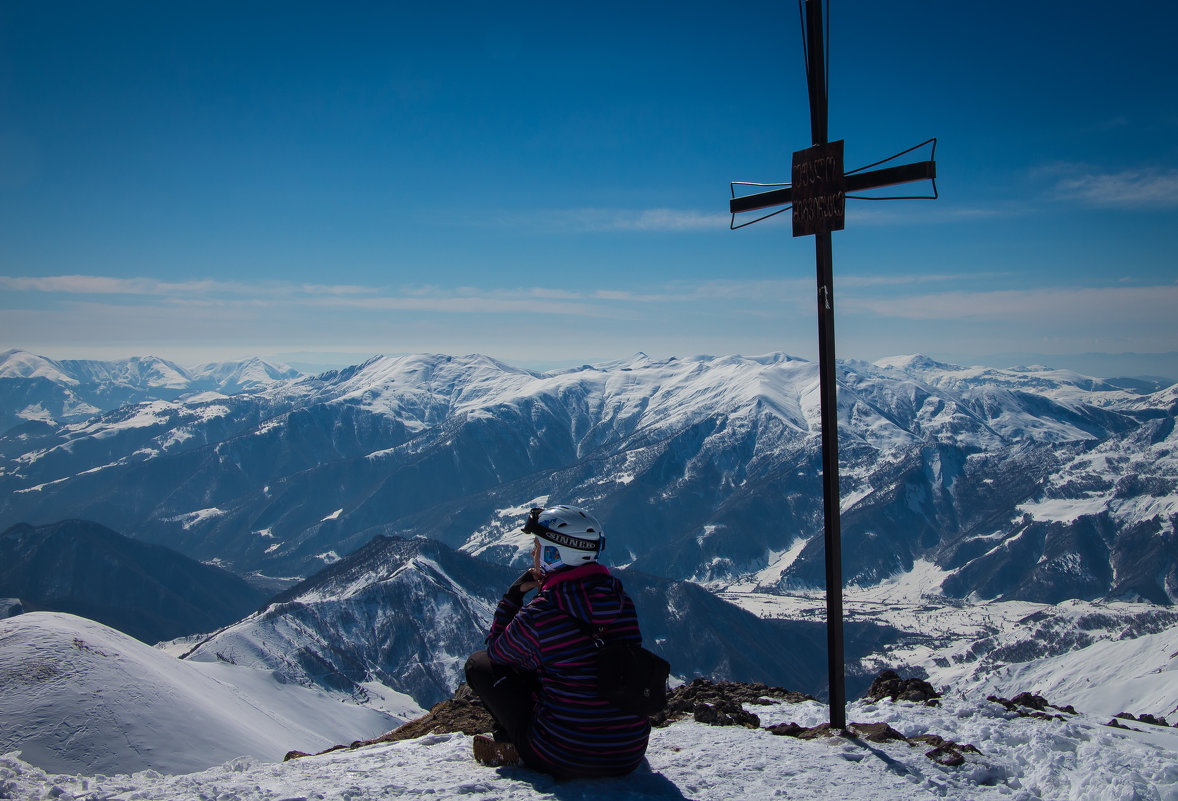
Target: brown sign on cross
point(819, 189)
point(818, 193)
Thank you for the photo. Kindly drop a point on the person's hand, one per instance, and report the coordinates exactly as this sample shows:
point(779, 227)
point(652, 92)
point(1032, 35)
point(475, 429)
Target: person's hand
point(522, 586)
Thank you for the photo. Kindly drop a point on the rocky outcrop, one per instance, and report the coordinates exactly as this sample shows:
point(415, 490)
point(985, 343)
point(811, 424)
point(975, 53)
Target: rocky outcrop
point(1144, 718)
point(888, 684)
point(1029, 705)
point(721, 703)
point(715, 703)
point(463, 713)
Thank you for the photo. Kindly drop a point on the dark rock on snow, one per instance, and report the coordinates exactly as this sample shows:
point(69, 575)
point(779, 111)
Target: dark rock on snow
point(721, 697)
point(888, 684)
point(463, 713)
point(1143, 718)
point(726, 713)
point(1025, 701)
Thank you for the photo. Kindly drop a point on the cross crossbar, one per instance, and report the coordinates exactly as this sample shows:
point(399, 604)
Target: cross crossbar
point(855, 182)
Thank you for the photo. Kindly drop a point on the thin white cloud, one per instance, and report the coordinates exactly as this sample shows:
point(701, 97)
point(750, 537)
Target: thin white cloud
point(858, 281)
point(206, 294)
point(726, 316)
point(909, 212)
point(546, 293)
point(462, 304)
point(152, 287)
point(676, 220)
point(1140, 305)
point(337, 289)
point(107, 301)
point(1131, 189)
point(598, 220)
point(106, 285)
point(538, 299)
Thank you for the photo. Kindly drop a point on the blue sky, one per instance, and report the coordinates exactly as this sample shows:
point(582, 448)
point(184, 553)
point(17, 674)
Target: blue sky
point(548, 182)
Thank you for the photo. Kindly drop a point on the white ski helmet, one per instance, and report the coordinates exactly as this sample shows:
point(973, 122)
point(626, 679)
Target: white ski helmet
point(568, 536)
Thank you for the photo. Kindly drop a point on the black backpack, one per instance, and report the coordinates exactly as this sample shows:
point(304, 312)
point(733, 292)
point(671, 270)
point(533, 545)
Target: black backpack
point(628, 676)
point(632, 678)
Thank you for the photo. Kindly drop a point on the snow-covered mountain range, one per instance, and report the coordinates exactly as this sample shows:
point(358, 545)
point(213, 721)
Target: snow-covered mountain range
point(1028, 483)
point(36, 389)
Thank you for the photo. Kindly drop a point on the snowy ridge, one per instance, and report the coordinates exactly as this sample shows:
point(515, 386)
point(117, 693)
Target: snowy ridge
point(1054, 383)
point(422, 390)
point(20, 364)
point(129, 707)
point(389, 616)
point(241, 376)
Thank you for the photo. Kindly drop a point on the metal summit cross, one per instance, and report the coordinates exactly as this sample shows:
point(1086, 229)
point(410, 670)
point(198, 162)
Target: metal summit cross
point(818, 196)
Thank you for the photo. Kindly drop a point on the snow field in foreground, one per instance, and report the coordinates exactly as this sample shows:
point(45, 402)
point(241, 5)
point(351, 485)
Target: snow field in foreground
point(77, 695)
point(1021, 759)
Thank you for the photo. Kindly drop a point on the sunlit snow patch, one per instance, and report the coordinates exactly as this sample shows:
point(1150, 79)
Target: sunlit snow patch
point(779, 562)
point(35, 412)
point(190, 519)
point(520, 511)
point(177, 436)
point(1063, 510)
point(922, 581)
point(853, 498)
point(505, 530)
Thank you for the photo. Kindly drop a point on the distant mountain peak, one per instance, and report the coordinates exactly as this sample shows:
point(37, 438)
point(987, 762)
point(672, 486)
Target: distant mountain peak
point(376, 561)
point(232, 377)
point(917, 362)
point(22, 364)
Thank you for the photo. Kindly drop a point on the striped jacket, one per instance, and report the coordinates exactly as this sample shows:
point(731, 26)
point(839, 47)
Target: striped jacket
point(573, 730)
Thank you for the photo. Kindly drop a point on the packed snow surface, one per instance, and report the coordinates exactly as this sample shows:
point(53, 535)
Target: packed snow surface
point(1019, 759)
point(78, 696)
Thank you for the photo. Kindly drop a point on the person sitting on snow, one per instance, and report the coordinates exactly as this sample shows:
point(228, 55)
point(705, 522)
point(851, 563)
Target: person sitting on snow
point(538, 674)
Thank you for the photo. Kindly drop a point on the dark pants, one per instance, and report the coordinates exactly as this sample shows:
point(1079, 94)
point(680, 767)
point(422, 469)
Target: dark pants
point(510, 696)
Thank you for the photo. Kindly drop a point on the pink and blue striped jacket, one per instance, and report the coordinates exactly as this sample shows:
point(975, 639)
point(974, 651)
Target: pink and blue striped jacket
point(574, 731)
